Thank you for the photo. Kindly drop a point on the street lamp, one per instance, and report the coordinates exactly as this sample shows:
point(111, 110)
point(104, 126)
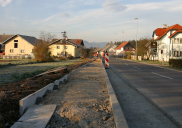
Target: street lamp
point(123, 44)
point(136, 37)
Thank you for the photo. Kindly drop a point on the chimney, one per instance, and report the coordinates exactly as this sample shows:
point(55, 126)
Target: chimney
point(164, 25)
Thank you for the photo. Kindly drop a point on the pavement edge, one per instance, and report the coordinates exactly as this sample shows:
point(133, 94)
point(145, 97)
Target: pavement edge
point(117, 111)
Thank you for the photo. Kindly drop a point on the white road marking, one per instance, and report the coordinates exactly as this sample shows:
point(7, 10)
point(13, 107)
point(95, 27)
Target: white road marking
point(136, 67)
point(125, 64)
point(161, 75)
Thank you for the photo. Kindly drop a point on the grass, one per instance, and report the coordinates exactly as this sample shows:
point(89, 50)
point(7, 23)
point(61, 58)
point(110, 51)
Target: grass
point(18, 72)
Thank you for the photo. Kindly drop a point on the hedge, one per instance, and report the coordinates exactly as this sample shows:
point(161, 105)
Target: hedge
point(175, 63)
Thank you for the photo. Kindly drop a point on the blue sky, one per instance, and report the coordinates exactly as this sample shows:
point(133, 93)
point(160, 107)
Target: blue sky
point(90, 20)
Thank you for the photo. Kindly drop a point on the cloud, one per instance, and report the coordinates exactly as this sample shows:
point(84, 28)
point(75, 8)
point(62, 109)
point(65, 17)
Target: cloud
point(113, 6)
point(65, 14)
point(4, 3)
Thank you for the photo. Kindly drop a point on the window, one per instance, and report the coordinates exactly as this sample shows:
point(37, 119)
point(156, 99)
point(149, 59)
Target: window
point(175, 54)
point(22, 51)
point(65, 47)
point(180, 41)
point(175, 40)
point(180, 53)
point(58, 47)
point(15, 40)
point(15, 45)
point(11, 50)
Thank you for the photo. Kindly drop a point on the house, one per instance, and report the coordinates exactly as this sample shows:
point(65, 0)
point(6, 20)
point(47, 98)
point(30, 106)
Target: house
point(123, 47)
point(112, 50)
point(3, 38)
point(19, 45)
point(106, 48)
point(169, 42)
point(66, 47)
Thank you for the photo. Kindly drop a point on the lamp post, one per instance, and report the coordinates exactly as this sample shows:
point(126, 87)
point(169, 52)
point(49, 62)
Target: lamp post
point(136, 38)
point(123, 44)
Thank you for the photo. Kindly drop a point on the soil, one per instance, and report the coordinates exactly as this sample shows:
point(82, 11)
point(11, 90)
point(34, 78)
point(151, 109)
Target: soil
point(11, 93)
point(83, 102)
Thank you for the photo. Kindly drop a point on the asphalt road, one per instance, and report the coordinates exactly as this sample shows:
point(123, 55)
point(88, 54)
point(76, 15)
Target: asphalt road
point(162, 86)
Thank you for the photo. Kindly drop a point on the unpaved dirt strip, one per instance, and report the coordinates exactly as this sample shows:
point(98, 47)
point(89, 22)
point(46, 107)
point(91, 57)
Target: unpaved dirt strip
point(138, 111)
point(83, 101)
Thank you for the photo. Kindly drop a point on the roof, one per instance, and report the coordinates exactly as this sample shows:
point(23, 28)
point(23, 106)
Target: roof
point(121, 45)
point(105, 48)
point(75, 42)
point(179, 31)
point(160, 32)
point(4, 38)
point(30, 39)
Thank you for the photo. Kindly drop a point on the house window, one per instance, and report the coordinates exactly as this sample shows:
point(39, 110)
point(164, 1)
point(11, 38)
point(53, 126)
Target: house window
point(58, 47)
point(180, 53)
point(11, 50)
point(15, 40)
point(175, 54)
point(22, 51)
point(65, 47)
point(175, 40)
point(15, 45)
point(180, 41)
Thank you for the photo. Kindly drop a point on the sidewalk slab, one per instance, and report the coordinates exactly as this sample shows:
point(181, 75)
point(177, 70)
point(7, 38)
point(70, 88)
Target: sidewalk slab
point(36, 116)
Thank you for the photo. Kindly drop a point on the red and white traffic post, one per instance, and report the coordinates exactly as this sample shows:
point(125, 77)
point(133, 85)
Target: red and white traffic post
point(106, 60)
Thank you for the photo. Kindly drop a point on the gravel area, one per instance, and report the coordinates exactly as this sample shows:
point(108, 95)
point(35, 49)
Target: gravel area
point(83, 101)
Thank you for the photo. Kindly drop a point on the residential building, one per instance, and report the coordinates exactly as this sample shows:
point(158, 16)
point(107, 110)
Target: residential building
point(60, 47)
point(123, 47)
point(19, 45)
point(169, 42)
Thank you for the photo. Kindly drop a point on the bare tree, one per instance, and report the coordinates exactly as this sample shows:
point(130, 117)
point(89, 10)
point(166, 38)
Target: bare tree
point(46, 37)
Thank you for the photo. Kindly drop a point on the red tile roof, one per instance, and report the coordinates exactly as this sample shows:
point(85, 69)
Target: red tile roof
point(160, 32)
point(179, 31)
point(121, 45)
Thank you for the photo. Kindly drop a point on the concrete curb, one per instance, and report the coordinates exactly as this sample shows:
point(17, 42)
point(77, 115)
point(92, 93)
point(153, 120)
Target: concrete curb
point(147, 98)
point(117, 111)
point(29, 100)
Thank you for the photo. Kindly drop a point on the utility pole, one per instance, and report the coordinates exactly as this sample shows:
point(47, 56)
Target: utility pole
point(123, 44)
point(64, 42)
point(136, 38)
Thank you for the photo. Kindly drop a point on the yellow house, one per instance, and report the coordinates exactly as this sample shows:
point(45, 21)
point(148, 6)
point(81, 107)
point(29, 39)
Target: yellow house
point(19, 45)
point(67, 47)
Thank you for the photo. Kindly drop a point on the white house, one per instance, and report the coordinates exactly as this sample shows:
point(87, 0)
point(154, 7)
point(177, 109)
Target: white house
point(169, 42)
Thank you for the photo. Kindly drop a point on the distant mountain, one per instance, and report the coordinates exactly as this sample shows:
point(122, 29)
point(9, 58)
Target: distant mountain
point(94, 44)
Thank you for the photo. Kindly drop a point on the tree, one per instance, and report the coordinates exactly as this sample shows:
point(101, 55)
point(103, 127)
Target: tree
point(46, 37)
point(83, 52)
point(41, 50)
point(141, 46)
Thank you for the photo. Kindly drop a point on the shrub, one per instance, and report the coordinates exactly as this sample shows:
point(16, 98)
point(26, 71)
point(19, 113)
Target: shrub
point(175, 63)
point(41, 52)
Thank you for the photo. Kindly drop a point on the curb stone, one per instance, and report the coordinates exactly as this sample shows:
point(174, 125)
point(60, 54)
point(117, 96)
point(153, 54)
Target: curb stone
point(117, 111)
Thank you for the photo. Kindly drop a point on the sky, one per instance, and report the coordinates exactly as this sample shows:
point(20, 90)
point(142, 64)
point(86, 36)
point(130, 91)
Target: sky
point(90, 20)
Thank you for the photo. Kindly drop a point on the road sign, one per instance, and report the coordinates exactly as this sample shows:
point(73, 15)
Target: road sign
point(153, 48)
point(153, 44)
point(153, 51)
